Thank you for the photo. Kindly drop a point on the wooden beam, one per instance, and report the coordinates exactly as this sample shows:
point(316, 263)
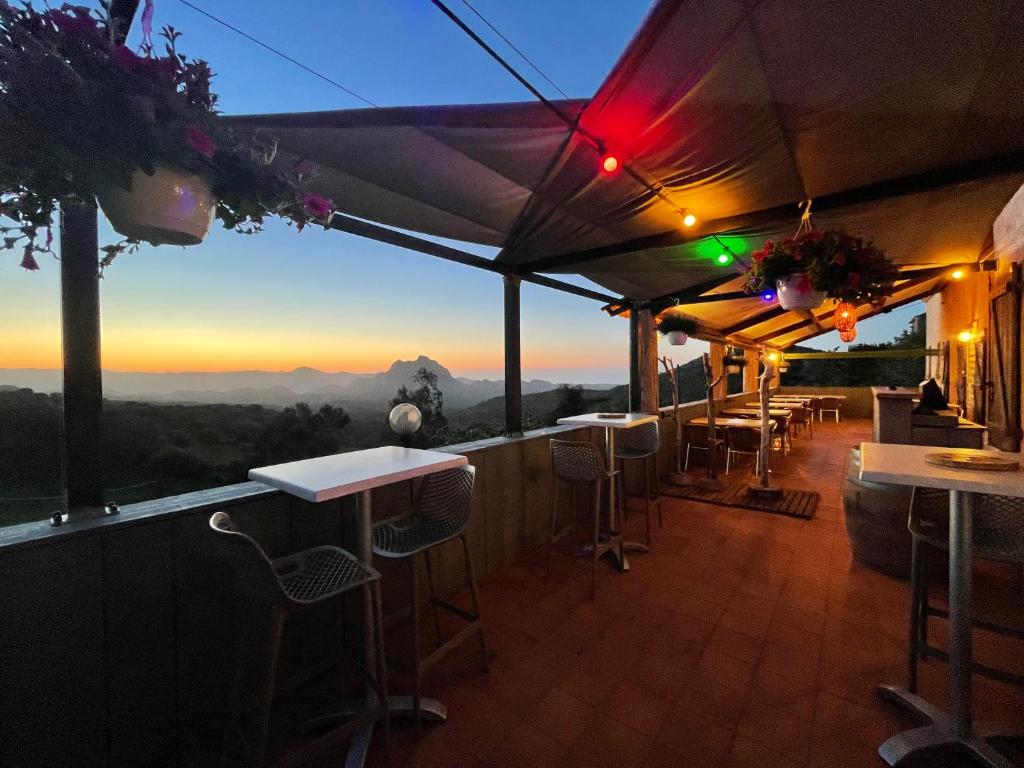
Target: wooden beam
point(371, 231)
point(763, 317)
point(634, 360)
point(925, 181)
point(513, 361)
point(891, 354)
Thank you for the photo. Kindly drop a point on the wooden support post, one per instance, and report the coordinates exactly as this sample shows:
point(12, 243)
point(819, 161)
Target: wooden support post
point(634, 359)
point(750, 377)
point(716, 354)
point(83, 386)
point(513, 360)
point(82, 414)
point(647, 361)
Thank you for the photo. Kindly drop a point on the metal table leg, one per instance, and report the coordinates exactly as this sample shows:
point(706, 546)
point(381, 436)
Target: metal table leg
point(956, 728)
point(627, 546)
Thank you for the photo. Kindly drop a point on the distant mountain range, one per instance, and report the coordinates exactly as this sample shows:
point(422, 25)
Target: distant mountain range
point(279, 389)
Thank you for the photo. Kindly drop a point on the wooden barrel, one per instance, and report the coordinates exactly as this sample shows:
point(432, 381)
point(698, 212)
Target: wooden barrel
point(876, 520)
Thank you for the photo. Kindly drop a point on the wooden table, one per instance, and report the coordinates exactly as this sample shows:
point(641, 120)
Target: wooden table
point(779, 404)
point(610, 426)
point(906, 465)
point(330, 477)
point(778, 413)
point(702, 421)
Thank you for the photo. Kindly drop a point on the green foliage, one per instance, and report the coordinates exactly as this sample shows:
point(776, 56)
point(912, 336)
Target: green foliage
point(861, 372)
point(671, 321)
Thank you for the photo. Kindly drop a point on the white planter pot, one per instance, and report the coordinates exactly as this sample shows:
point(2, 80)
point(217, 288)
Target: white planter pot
point(676, 338)
point(792, 297)
point(171, 207)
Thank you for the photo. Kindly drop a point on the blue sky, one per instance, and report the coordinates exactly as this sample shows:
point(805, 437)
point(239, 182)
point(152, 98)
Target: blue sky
point(328, 299)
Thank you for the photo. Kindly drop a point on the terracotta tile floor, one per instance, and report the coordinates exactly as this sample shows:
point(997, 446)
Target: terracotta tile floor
point(742, 639)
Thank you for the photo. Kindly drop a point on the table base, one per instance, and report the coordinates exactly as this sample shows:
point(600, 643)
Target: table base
point(938, 733)
point(607, 540)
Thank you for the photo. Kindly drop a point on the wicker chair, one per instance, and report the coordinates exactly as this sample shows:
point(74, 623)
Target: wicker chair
point(272, 591)
point(641, 444)
point(440, 513)
point(581, 464)
point(829, 404)
point(998, 534)
point(696, 438)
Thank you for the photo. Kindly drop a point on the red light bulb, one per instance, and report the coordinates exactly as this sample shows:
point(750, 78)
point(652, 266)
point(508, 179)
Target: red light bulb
point(610, 164)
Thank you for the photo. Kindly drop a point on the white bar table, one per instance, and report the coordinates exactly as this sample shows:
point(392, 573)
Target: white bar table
point(330, 477)
point(906, 465)
point(609, 425)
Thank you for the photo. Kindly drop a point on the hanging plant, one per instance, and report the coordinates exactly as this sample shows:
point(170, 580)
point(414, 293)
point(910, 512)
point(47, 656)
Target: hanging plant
point(676, 328)
point(83, 118)
point(733, 361)
point(816, 264)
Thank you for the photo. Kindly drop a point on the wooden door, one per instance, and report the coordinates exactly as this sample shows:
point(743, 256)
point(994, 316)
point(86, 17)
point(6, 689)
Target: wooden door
point(1004, 368)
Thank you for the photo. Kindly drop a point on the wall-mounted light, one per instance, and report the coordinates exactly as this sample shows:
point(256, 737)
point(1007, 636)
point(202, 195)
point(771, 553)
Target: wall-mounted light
point(689, 219)
point(957, 274)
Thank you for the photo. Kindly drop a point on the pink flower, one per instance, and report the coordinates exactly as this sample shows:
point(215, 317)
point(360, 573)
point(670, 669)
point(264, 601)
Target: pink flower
point(79, 24)
point(803, 285)
point(317, 205)
point(200, 140)
point(303, 168)
point(28, 261)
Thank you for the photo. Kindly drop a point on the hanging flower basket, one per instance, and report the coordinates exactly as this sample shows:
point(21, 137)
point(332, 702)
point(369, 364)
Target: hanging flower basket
point(676, 328)
point(86, 119)
point(797, 292)
point(817, 264)
point(169, 207)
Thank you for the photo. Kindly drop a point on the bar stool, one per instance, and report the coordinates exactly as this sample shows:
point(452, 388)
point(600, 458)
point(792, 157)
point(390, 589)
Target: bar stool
point(998, 534)
point(273, 590)
point(440, 513)
point(581, 463)
point(640, 443)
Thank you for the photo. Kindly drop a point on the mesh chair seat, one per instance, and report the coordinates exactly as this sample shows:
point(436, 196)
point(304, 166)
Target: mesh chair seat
point(321, 572)
point(638, 442)
point(390, 540)
point(998, 523)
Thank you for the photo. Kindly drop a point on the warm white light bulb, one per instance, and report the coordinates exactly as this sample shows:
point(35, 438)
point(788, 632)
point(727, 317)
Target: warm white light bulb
point(689, 219)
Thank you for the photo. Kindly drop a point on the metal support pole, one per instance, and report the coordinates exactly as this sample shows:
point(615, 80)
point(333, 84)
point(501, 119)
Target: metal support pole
point(634, 359)
point(83, 385)
point(513, 361)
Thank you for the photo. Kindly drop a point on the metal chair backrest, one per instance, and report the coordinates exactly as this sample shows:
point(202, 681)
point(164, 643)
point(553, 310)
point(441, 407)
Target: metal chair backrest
point(997, 524)
point(446, 498)
point(254, 573)
point(696, 435)
point(641, 440)
point(743, 439)
point(800, 414)
point(577, 462)
point(828, 403)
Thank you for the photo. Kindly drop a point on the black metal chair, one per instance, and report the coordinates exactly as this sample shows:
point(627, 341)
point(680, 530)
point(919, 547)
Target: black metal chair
point(273, 590)
point(582, 464)
point(696, 438)
point(440, 513)
point(998, 534)
point(641, 444)
point(743, 441)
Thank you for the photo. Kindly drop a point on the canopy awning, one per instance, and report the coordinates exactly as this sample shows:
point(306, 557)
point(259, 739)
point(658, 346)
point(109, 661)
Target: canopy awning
point(906, 126)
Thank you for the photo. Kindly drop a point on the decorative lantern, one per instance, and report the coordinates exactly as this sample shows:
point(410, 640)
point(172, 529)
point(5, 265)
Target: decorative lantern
point(845, 317)
point(849, 335)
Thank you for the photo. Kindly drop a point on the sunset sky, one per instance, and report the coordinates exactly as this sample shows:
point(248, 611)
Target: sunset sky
point(332, 301)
